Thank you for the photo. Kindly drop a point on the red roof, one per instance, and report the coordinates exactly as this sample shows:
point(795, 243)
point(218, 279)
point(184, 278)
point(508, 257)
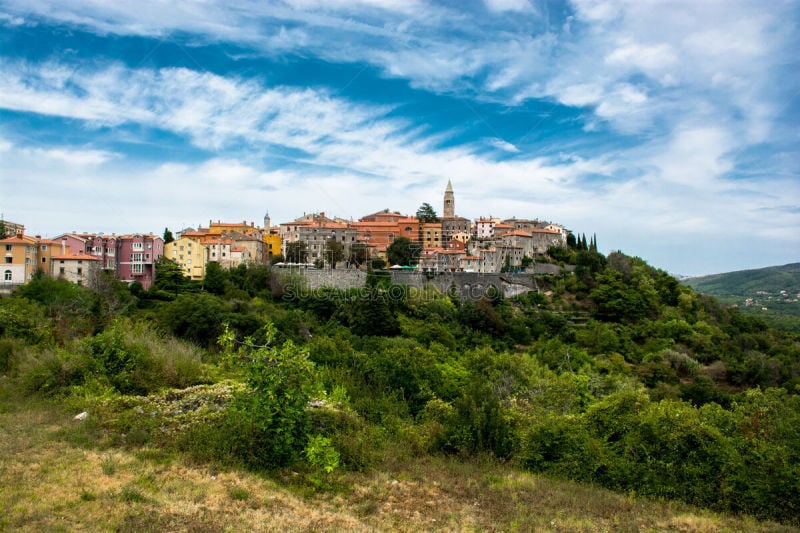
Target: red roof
point(19, 240)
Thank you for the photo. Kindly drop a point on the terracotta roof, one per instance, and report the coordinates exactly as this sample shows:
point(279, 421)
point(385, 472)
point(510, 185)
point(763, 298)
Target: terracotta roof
point(19, 240)
point(519, 233)
point(368, 224)
point(134, 235)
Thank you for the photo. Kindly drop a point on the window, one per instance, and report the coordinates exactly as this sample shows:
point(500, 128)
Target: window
point(189, 262)
point(61, 270)
point(44, 247)
point(9, 259)
point(149, 245)
point(181, 248)
point(44, 260)
point(137, 246)
point(8, 247)
point(80, 271)
point(137, 268)
point(7, 275)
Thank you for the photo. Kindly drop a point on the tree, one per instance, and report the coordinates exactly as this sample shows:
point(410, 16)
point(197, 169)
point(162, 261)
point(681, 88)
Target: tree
point(214, 282)
point(168, 238)
point(334, 252)
point(358, 254)
point(426, 213)
point(403, 252)
point(169, 276)
point(3, 229)
point(572, 243)
point(296, 252)
point(268, 423)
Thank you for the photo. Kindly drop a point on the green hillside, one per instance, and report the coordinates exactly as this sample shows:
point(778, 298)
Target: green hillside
point(771, 293)
point(252, 402)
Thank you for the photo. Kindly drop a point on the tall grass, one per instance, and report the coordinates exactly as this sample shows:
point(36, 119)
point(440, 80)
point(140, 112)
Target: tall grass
point(127, 357)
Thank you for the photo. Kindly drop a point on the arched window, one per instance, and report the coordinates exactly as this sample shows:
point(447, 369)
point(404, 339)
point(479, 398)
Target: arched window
point(7, 275)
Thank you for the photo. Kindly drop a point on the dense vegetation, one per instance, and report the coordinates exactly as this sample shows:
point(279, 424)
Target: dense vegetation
point(770, 293)
point(615, 374)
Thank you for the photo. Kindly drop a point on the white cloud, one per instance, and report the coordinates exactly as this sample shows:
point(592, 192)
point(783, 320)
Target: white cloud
point(651, 59)
point(504, 145)
point(502, 6)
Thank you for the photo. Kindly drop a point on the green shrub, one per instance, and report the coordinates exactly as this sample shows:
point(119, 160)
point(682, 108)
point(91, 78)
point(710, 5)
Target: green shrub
point(323, 459)
point(267, 425)
point(135, 359)
point(51, 371)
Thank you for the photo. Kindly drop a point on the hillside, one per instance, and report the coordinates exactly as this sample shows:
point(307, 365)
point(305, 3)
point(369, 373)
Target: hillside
point(771, 293)
point(387, 407)
point(56, 477)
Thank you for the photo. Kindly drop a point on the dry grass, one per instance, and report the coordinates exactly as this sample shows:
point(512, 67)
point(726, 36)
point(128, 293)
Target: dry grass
point(47, 484)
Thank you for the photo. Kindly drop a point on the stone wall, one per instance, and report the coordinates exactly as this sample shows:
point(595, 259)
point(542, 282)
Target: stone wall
point(468, 285)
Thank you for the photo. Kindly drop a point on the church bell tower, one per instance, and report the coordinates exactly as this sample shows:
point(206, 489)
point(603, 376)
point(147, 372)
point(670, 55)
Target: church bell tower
point(449, 210)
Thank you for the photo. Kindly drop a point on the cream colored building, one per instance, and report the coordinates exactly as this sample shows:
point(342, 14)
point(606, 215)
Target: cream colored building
point(76, 268)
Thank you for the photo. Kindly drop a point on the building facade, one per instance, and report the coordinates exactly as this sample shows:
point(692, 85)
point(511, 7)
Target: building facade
point(190, 255)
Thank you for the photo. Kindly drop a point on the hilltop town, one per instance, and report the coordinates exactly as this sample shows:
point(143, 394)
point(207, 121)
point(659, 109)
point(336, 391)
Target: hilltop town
point(449, 243)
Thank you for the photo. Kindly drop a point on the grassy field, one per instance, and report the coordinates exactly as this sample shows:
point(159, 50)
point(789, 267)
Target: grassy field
point(55, 477)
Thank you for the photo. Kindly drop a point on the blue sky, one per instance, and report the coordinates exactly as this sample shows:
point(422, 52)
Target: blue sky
point(669, 129)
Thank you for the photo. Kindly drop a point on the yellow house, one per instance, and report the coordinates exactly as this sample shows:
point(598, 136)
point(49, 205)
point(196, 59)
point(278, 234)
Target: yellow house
point(272, 243)
point(432, 235)
point(20, 255)
point(190, 255)
point(225, 228)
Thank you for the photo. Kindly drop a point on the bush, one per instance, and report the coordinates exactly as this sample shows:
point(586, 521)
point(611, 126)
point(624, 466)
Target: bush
point(137, 360)
point(267, 426)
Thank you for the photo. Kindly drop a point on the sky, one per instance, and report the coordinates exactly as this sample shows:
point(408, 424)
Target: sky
point(670, 129)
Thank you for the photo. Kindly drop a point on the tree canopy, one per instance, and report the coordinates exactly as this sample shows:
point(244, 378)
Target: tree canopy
point(426, 213)
point(334, 252)
point(403, 251)
point(296, 252)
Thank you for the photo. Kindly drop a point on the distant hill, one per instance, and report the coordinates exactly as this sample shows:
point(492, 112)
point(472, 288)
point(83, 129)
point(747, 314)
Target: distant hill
point(772, 293)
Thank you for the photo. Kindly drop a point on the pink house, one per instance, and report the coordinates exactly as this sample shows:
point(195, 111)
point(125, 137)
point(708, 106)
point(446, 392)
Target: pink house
point(131, 257)
point(136, 257)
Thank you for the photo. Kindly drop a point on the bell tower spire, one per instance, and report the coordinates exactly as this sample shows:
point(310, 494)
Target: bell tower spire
point(449, 209)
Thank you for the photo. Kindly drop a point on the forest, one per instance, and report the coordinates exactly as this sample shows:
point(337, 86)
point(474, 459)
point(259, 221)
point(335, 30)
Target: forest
point(614, 375)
